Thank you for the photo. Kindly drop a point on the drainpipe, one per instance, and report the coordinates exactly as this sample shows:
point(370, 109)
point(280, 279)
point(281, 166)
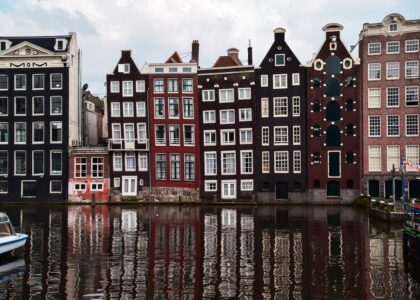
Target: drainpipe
point(149, 156)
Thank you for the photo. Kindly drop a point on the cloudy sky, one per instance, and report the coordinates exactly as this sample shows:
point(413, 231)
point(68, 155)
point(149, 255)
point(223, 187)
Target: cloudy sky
point(154, 29)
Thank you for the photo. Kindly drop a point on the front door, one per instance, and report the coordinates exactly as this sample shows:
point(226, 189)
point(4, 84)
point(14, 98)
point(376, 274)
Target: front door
point(414, 188)
point(333, 189)
point(229, 189)
point(282, 190)
point(129, 185)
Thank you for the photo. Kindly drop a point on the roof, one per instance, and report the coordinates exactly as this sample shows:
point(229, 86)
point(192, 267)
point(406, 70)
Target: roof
point(99, 104)
point(46, 42)
point(226, 61)
point(174, 58)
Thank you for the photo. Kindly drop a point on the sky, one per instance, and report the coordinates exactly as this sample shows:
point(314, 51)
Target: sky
point(154, 29)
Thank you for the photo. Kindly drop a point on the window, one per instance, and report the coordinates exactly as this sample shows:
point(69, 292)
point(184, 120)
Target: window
point(56, 162)
point(392, 70)
point(411, 46)
point(209, 137)
point(20, 133)
point(265, 136)
point(115, 109)
point(4, 106)
point(4, 162)
point(374, 71)
point(173, 108)
point(160, 138)
point(411, 125)
point(172, 85)
point(174, 135)
point(393, 125)
point(374, 48)
point(56, 105)
point(80, 187)
point(28, 188)
point(210, 185)
point(208, 95)
point(129, 135)
point(141, 133)
point(245, 114)
point(296, 135)
point(38, 81)
point(97, 165)
point(210, 163)
point(143, 165)
point(4, 133)
point(228, 189)
point(158, 86)
point(244, 93)
point(228, 163)
point(411, 155)
point(296, 106)
point(280, 107)
point(159, 108)
point(37, 132)
point(297, 162)
point(130, 161)
point(189, 135)
point(56, 186)
point(279, 59)
point(37, 105)
point(128, 109)
point(175, 166)
point(116, 133)
point(393, 96)
point(96, 187)
point(247, 185)
point(141, 109)
point(264, 108)
point(245, 135)
point(295, 79)
point(115, 86)
point(127, 89)
point(226, 96)
point(280, 135)
point(140, 86)
point(265, 159)
point(393, 47)
point(280, 81)
point(56, 81)
point(374, 126)
point(20, 82)
point(227, 137)
point(393, 27)
point(412, 69)
point(129, 185)
point(227, 116)
point(4, 82)
point(4, 187)
point(412, 95)
point(117, 161)
point(189, 167)
point(20, 162)
point(188, 108)
point(209, 116)
point(56, 132)
point(374, 98)
point(246, 162)
point(187, 85)
point(80, 167)
point(393, 157)
point(20, 106)
point(281, 162)
point(264, 80)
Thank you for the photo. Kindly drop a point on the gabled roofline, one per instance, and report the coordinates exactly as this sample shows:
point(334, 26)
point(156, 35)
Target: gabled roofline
point(26, 43)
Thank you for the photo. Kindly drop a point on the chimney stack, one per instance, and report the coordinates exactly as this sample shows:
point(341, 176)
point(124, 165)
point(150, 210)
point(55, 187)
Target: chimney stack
point(249, 54)
point(234, 53)
point(279, 34)
point(195, 52)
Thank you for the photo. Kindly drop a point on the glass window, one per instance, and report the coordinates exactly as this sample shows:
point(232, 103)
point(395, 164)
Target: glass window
point(4, 133)
point(265, 162)
point(160, 135)
point(97, 167)
point(412, 95)
point(175, 166)
point(246, 162)
point(393, 157)
point(392, 70)
point(245, 114)
point(189, 135)
point(411, 46)
point(295, 79)
point(20, 162)
point(210, 163)
point(189, 167)
point(174, 134)
point(226, 96)
point(143, 164)
point(4, 82)
point(264, 80)
point(115, 86)
point(281, 162)
point(130, 161)
point(56, 81)
point(227, 137)
point(374, 48)
point(264, 108)
point(374, 98)
point(393, 27)
point(228, 163)
point(281, 135)
point(393, 47)
point(209, 116)
point(80, 167)
point(56, 105)
point(141, 132)
point(374, 126)
point(244, 93)
point(20, 81)
point(280, 107)
point(412, 125)
point(140, 86)
point(173, 108)
point(56, 162)
point(227, 116)
point(297, 162)
point(393, 125)
point(127, 89)
point(20, 106)
point(208, 95)
point(158, 86)
point(210, 185)
point(128, 109)
point(209, 137)
point(4, 106)
point(245, 136)
point(374, 71)
point(115, 109)
point(412, 69)
point(279, 59)
point(160, 167)
point(141, 109)
point(296, 135)
point(37, 132)
point(412, 155)
point(393, 97)
point(265, 136)
point(296, 106)
point(159, 108)
point(4, 162)
point(116, 133)
point(20, 133)
point(37, 162)
point(172, 85)
point(56, 132)
point(187, 85)
point(188, 107)
point(117, 161)
point(38, 81)
point(38, 105)
point(56, 186)
point(280, 81)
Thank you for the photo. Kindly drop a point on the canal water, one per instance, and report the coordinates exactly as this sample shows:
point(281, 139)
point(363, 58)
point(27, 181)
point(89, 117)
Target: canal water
point(209, 252)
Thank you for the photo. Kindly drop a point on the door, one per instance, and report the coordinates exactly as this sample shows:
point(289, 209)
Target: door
point(229, 189)
point(129, 136)
point(373, 187)
point(333, 189)
point(388, 189)
point(129, 186)
point(414, 189)
point(334, 168)
point(282, 190)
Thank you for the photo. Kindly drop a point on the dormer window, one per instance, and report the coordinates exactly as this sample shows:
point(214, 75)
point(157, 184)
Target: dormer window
point(5, 44)
point(393, 27)
point(60, 45)
point(124, 68)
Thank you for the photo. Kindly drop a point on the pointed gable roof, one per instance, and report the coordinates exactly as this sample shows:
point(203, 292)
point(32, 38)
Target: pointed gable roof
point(226, 61)
point(174, 58)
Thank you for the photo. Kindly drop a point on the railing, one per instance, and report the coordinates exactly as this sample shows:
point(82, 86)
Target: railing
point(160, 141)
point(188, 141)
point(128, 144)
point(174, 141)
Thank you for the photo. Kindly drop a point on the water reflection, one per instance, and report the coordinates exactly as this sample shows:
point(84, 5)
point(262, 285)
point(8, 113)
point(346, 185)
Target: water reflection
point(160, 252)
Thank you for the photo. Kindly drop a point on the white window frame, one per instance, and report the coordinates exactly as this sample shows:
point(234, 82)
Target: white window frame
point(279, 102)
point(297, 162)
point(245, 142)
point(265, 138)
point(141, 132)
point(297, 133)
point(371, 47)
point(410, 157)
point(33, 82)
point(410, 76)
point(141, 109)
point(184, 100)
point(244, 93)
point(278, 142)
point(61, 136)
point(223, 172)
point(415, 89)
point(370, 125)
point(388, 69)
point(117, 156)
point(53, 113)
point(56, 192)
point(296, 79)
point(128, 109)
point(264, 80)
point(209, 114)
point(226, 98)
point(57, 173)
point(392, 44)
point(15, 135)
point(33, 163)
point(282, 78)
point(131, 180)
point(388, 94)
point(296, 106)
point(242, 153)
point(33, 133)
point(393, 160)
point(223, 132)
point(14, 163)
point(115, 106)
point(207, 185)
point(374, 97)
point(61, 84)
point(248, 114)
point(140, 86)
point(210, 133)
point(115, 86)
point(265, 161)
point(387, 126)
point(228, 112)
point(370, 71)
point(229, 182)
point(284, 59)
point(26, 106)
point(208, 95)
point(265, 108)
point(213, 153)
point(115, 126)
point(247, 181)
point(406, 124)
point(127, 88)
point(132, 156)
point(277, 157)
point(415, 42)
point(371, 163)
point(143, 162)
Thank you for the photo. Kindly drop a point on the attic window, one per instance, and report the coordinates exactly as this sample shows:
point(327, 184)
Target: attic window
point(2, 45)
point(159, 70)
point(173, 70)
point(187, 70)
point(124, 68)
point(60, 45)
point(279, 60)
point(393, 27)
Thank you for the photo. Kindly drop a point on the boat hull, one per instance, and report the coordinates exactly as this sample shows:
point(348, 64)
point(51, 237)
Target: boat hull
point(10, 243)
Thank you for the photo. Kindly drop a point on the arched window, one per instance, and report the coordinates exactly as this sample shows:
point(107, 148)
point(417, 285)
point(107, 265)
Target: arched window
point(349, 184)
point(333, 136)
point(333, 111)
point(349, 105)
point(316, 158)
point(316, 106)
point(350, 157)
point(333, 65)
point(316, 82)
point(349, 129)
point(317, 184)
point(333, 87)
point(316, 131)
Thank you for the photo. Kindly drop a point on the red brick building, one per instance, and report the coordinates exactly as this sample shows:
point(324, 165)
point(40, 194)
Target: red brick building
point(390, 114)
point(88, 174)
point(174, 127)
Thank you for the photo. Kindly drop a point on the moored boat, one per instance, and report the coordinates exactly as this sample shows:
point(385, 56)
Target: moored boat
point(9, 239)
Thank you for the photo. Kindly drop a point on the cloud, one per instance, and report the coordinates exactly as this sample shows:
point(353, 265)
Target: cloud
point(153, 29)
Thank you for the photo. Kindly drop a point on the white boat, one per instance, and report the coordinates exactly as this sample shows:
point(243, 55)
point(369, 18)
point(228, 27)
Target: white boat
point(9, 239)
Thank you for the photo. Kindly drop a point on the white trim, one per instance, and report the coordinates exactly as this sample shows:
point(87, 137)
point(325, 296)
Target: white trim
point(244, 90)
point(61, 105)
point(33, 132)
point(130, 178)
point(139, 111)
point(212, 133)
point(263, 78)
point(252, 162)
point(208, 92)
point(240, 136)
point(247, 181)
point(26, 106)
point(222, 135)
point(228, 92)
point(209, 113)
point(21, 188)
point(339, 163)
point(248, 111)
point(26, 133)
point(114, 86)
point(59, 173)
point(33, 82)
point(229, 182)
point(215, 163)
point(61, 81)
point(183, 108)
point(117, 105)
point(389, 43)
point(280, 86)
point(280, 143)
point(26, 83)
point(14, 163)
point(416, 41)
point(234, 164)
point(33, 105)
point(56, 192)
point(127, 88)
point(60, 141)
point(284, 59)
point(43, 163)
point(210, 182)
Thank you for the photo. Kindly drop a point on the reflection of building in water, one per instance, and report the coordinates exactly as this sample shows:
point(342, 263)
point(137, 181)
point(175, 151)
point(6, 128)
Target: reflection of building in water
point(210, 256)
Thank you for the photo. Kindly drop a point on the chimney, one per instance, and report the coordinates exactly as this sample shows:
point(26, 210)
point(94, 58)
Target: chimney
point(249, 54)
point(234, 53)
point(126, 53)
point(279, 34)
point(195, 51)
